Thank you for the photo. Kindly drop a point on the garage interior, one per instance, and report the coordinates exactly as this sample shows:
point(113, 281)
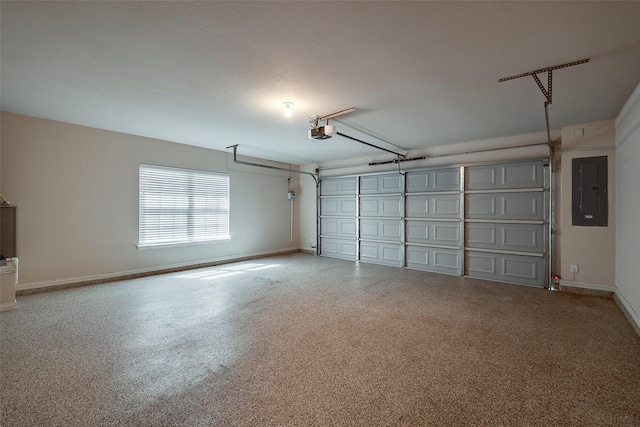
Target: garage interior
point(423, 214)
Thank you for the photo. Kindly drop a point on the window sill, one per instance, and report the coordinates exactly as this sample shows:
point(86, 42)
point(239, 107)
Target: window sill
point(181, 244)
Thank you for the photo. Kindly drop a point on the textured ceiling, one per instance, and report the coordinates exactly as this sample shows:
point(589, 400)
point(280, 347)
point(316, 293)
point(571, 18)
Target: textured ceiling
point(213, 74)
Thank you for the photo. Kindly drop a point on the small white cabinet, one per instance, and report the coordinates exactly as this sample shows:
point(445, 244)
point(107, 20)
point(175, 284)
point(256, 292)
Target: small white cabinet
point(8, 282)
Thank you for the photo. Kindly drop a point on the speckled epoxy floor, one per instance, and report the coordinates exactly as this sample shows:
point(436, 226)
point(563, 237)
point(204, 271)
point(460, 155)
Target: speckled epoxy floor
point(304, 340)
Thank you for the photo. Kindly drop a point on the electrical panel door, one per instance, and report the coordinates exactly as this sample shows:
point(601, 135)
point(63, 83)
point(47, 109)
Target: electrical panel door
point(589, 206)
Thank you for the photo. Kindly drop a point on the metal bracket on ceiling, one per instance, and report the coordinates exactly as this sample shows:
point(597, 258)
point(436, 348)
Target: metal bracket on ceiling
point(314, 120)
point(548, 92)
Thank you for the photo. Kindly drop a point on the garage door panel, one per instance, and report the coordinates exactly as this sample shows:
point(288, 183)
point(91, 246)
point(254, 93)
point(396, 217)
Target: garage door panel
point(481, 264)
point(433, 232)
point(345, 227)
point(481, 235)
point(338, 248)
point(523, 237)
point(446, 206)
point(505, 176)
point(480, 178)
point(505, 237)
point(433, 180)
point(380, 184)
point(383, 206)
point(523, 206)
point(522, 175)
point(338, 186)
point(381, 253)
point(518, 269)
point(438, 260)
point(512, 268)
point(381, 229)
point(339, 206)
point(446, 179)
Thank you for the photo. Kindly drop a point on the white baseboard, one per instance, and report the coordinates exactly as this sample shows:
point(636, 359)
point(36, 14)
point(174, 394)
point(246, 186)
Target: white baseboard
point(6, 306)
point(603, 288)
point(122, 275)
point(628, 310)
point(623, 303)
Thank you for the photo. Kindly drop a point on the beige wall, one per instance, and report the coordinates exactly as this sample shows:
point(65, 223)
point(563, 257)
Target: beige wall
point(628, 207)
point(76, 191)
point(591, 248)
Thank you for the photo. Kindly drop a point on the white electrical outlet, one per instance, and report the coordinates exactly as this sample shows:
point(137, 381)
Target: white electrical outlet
point(574, 268)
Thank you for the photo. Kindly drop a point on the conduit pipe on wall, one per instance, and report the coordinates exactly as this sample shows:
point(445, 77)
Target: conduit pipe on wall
point(291, 206)
point(551, 223)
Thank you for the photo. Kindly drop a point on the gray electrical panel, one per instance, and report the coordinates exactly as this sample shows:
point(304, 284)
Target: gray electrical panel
point(589, 204)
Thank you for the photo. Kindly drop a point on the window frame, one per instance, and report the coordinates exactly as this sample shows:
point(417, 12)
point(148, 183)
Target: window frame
point(192, 201)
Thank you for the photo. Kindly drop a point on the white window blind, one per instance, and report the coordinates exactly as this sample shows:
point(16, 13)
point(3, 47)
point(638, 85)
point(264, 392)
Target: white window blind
point(182, 206)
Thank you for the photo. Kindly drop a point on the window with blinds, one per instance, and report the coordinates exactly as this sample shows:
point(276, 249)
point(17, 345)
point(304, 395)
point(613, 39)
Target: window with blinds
point(180, 206)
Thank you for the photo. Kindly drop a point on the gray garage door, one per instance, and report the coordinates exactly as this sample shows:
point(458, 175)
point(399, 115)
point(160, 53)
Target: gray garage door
point(380, 219)
point(505, 222)
point(485, 221)
point(338, 229)
point(433, 214)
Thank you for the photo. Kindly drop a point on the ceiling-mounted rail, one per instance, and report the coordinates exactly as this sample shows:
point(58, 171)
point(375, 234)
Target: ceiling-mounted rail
point(370, 145)
point(335, 114)
point(241, 162)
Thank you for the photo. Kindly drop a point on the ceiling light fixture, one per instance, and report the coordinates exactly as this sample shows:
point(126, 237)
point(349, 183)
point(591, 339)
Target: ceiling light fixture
point(288, 108)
